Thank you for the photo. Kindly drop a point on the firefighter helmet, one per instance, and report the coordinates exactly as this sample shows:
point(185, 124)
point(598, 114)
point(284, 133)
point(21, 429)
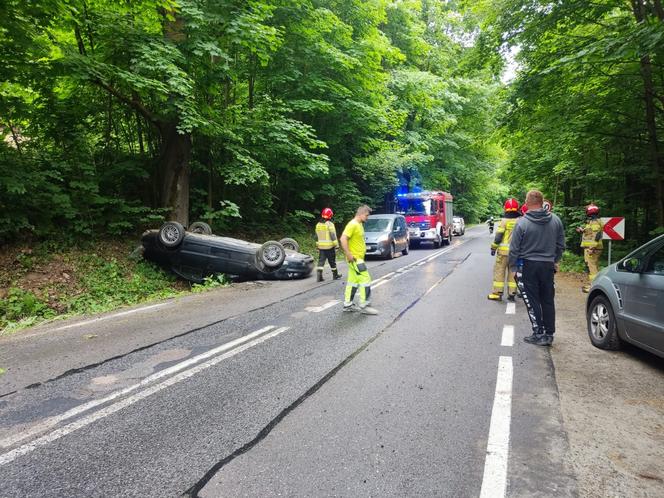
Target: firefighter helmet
point(326, 214)
point(524, 209)
point(592, 210)
point(511, 204)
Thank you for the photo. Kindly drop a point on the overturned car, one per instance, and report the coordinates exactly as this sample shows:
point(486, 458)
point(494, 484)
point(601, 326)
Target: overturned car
point(196, 253)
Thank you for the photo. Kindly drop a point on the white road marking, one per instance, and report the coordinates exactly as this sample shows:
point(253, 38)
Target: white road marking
point(494, 482)
point(322, 307)
point(53, 421)
point(511, 309)
point(376, 285)
point(115, 407)
point(114, 315)
point(508, 336)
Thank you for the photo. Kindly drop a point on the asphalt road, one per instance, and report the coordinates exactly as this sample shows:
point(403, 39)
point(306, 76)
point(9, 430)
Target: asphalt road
point(286, 395)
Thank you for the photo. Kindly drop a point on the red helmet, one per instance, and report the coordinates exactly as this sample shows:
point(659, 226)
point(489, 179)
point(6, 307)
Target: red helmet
point(326, 214)
point(592, 209)
point(511, 204)
point(524, 209)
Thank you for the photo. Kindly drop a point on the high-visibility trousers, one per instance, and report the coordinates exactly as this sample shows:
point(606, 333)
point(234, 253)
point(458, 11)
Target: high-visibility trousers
point(357, 281)
point(591, 257)
point(501, 270)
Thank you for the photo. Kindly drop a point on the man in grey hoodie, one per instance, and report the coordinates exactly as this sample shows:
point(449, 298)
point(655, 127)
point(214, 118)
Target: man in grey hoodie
point(536, 247)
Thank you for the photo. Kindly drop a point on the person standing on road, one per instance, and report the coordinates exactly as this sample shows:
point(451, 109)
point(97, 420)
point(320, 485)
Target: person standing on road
point(536, 249)
point(501, 244)
point(352, 243)
point(327, 244)
point(591, 242)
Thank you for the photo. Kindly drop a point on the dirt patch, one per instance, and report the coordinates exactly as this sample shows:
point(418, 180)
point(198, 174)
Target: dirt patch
point(612, 406)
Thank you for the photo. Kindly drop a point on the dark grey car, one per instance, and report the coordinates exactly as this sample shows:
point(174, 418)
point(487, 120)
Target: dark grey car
point(626, 301)
point(386, 235)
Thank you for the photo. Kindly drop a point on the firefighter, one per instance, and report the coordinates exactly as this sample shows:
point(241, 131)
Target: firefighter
point(490, 222)
point(327, 244)
point(501, 245)
point(591, 242)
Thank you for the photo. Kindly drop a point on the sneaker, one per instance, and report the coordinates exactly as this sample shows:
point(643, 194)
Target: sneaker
point(495, 297)
point(368, 310)
point(351, 307)
point(539, 339)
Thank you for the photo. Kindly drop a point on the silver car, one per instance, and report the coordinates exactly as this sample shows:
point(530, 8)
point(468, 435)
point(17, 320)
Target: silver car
point(458, 225)
point(386, 235)
point(626, 301)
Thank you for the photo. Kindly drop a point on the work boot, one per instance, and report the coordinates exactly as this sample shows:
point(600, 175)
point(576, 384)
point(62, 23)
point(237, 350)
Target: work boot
point(368, 310)
point(495, 296)
point(351, 307)
point(510, 298)
point(335, 274)
point(319, 276)
point(533, 338)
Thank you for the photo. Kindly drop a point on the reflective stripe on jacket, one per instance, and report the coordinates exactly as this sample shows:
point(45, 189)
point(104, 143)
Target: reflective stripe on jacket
point(592, 235)
point(504, 235)
point(326, 235)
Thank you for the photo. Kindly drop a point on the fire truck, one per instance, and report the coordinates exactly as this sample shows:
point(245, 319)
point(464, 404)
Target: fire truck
point(428, 216)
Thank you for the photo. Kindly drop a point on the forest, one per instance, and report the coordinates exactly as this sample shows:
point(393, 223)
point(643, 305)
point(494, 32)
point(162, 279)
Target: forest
point(117, 115)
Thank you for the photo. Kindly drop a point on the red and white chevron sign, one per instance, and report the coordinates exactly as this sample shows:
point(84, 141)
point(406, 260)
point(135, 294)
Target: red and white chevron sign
point(614, 228)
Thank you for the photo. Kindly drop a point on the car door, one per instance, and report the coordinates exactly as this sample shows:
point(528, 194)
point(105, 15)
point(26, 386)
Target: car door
point(644, 301)
point(401, 233)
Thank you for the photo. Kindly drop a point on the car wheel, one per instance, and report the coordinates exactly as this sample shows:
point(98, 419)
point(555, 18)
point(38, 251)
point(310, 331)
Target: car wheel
point(290, 244)
point(272, 254)
point(602, 326)
point(405, 249)
point(171, 234)
point(200, 227)
point(390, 255)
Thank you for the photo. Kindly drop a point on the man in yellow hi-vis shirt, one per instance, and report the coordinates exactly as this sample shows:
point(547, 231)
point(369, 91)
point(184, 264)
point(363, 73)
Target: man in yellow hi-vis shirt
point(352, 243)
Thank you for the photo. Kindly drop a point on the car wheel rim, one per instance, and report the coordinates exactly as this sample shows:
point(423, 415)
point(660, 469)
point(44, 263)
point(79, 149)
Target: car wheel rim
point(272, 254)
point(599, 322)
point(171, 234)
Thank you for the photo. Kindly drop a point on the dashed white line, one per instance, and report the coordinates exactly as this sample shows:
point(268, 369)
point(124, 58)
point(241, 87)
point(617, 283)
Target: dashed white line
point(494, 481)
point(322, 307)
point(508, 336)
point(511, 309)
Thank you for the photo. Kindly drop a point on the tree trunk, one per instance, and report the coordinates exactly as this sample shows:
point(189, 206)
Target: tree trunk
point(175, 165)
point(639, 9)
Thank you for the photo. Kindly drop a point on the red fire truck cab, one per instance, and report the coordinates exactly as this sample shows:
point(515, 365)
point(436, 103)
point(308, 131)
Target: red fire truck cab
point(428, 216)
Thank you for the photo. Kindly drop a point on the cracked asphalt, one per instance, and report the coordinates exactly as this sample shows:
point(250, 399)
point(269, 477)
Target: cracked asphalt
point(321, 403)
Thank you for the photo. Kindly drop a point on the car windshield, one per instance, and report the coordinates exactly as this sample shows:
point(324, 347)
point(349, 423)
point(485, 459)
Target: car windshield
point(457, 220)
point(377, 225)
point(415, 206)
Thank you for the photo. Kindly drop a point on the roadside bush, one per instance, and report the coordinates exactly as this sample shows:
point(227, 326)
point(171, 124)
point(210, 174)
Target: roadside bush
point(572, 263)
point(20, 305)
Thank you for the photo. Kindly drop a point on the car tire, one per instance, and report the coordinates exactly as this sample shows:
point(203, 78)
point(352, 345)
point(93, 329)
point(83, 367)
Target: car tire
point(406, 248)
point(200, 227)
point(393, 250)
point(171, 234)
point(291, 244)
point(602, 326)
point(271, 254)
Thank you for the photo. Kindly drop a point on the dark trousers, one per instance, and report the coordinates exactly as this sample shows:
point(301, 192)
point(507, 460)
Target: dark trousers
point(535, 282)
point(329, 255)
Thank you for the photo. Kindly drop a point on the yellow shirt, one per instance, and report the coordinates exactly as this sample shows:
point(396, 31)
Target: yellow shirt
point(355, 233)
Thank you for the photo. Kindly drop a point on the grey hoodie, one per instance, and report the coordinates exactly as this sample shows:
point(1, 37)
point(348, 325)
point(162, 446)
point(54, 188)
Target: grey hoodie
point(538, 236)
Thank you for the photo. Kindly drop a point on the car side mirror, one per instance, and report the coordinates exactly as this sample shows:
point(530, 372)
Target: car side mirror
point(632, 265)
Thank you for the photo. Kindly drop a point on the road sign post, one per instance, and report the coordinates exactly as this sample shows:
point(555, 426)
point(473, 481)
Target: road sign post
point(614, 229)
